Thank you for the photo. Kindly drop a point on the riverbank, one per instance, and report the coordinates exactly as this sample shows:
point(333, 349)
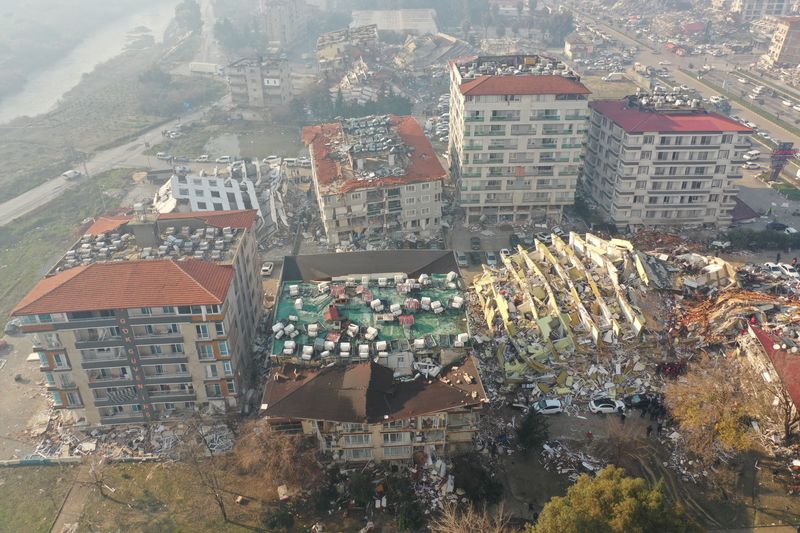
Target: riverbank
point(120, 97)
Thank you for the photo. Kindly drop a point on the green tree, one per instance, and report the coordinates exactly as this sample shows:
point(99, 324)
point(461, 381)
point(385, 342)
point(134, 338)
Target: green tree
point(612, 503)
point(711, 409)
point(360, 488)
point(532, 432)
point(478, 484)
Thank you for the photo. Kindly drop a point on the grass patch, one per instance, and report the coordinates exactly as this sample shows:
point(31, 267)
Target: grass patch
point(191, 144)
point(30, 496)
point(788, 190)
point(30, 245)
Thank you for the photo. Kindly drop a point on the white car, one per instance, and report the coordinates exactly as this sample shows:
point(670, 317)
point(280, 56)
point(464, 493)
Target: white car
point(505, 251)
point(224, 159)
point(269, 160)
point(491, 259)
point(787, 103)
point(742, 81)
point(71, 175)
point(773, 269)
point(664, 63)
point(750, 165)
point(789, 270)
point(266, 269)
point(796, 107)
point(606, 405)
point(548, 406)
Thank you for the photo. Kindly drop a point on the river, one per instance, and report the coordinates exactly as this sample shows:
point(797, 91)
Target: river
point(44, 89)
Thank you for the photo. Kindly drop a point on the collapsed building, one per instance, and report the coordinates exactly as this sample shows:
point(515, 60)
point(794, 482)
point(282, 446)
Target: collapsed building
point(584, 317)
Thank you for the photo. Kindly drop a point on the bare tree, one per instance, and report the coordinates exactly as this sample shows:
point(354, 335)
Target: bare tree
point(274, 457)
point(470, 520)
point(198, 454)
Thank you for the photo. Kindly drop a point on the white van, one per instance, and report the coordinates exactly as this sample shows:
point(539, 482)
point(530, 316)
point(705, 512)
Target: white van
point(290, 161)
point(752, 155)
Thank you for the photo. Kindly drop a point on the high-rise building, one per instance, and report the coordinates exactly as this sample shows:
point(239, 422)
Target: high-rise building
point(149, 315)
point(260, 82)
point(285, 22)
point(517, 127)
point(748, 10)
point(785, 48)
point(650, 162)
point(375, 175)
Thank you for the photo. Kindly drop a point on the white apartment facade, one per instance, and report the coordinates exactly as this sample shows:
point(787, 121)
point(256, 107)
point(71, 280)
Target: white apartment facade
point(748, 10)
point(516, 143)
point(647, 167)
point(785, 47)
point(206, 193)
point(260, 82)
point(375, 192)
point(285, 21)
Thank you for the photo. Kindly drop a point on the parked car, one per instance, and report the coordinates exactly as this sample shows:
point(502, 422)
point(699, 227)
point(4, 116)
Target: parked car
point(605, 405)
point(548, 406)
point(266, 269)
point(544, 238)
point(224, 159)
point(202, 159)
point(743, 81)
point(475, 258)
point(637, 401)
point(475, 243)
point(751, 165)
point(787, 103)
point(773, 269)
point(789, 270)
point(776, 226)
point(491, 259)
point(505, 251)
point(796, 107)
point(461, 259)
point(182, 170)
point(71, 175)
point(164, 156)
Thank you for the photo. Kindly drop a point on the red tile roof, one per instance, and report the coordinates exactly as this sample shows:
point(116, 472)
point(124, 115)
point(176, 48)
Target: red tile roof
point(243, 219)
point(636, 121)
point(323, 139)
point(129, 284)
point(786, 365)
point(499, 85)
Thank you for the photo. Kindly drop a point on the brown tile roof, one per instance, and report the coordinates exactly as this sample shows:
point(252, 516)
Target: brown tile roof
point(365, 393)
point(636, 121)
point(243, 219)
point(786, 365)
point(533, 84)
point(129, 284)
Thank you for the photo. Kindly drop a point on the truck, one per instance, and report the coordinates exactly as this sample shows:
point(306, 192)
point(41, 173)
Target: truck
point(614, 76)
point(205, 69)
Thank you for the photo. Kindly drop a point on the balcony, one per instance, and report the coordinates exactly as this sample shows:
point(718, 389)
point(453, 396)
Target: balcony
point(173, 396)
point(544, 117)
point(117, 380)
point(122, 418)
point(497, 133)
point(470, 174)
point(474, 118)
point(168, 377)
point(472, 148)
point(576, 117)
point(542, 145)
point(504, 119)
point(46, 343)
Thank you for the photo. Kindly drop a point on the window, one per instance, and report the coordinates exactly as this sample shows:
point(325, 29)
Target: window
point(60, 361)
point(213, 390)
point(641, 184)
point(426, 186)
point(169, 310)
point(226, 366)
point(410, 201)
point(155, 349)
point(395, 424)
point(411, 188)
point(176, 348)
point(727, 139)
point(355, 454)
point(395, 438)
point(355, 196)
point(169, 406)
point(202, 331)
point(716, 184)
point(215, 194)
point(231, 386)
point(146, 311)
point(643, 171)
point(219, 328)
point(136, 408)
point(223, 348)
point(202, 205)
point(211, 371)
point(363, 439)
point(350, 427)
point(205, 351)
point(396, 451)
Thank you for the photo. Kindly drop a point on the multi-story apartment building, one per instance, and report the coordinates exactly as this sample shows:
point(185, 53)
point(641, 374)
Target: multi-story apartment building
point(748, 10)
point(260, 82)
point(334, 48)
point(373, 175)
point(193, 193)
point(517, 128)
point(650, 164)
point(785, 48)
point(359, 413)
point(147, 316)
point(285, 22)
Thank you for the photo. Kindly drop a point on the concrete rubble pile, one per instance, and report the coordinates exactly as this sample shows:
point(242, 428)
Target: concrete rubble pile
point(125, 442)
point(568, 321)
point(557, 457)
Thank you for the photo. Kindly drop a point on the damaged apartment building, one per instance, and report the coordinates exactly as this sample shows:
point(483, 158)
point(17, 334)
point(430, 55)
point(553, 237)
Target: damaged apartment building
point(517, 128)
point(336, 50)
point(658, 160)
point(584, 317)
point(371, 354)
point(261, 82)
point(147, 316)
point(375, 176)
